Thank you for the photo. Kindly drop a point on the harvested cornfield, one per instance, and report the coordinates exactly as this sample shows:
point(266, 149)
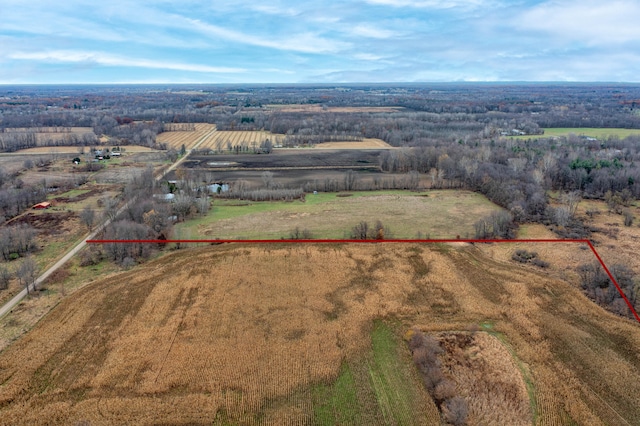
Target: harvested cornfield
point(220, 141)
point(312, 334)
point(244, 140)
point(188, 138)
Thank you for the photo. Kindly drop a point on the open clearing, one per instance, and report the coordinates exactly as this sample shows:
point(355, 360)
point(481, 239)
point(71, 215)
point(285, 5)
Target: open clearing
point(599, 133)
point(366, 143)
point(437, 214)
point(304, 334)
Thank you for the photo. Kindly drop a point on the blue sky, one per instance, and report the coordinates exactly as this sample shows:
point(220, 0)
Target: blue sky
point(243, 41)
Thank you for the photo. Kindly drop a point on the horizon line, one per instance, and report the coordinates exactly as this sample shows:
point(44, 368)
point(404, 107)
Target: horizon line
point(311, 83)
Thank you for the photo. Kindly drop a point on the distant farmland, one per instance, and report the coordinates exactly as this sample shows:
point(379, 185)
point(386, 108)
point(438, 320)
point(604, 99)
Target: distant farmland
point(282, 334)
point(600, 133)
point(217, 140)
point(224, 141)
point(187, 138)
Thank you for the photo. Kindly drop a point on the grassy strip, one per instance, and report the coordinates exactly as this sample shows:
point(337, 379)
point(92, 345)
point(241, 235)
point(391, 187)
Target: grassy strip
point(70, 194)
point(393, 389)
point(337, 403)
point(377, 389)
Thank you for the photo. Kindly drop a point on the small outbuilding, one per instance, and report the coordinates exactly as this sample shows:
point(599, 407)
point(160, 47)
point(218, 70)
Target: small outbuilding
point(42, 206)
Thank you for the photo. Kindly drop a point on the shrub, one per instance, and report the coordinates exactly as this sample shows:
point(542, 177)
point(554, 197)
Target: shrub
point(628, 218)
point(362, 231)
point(425, 350)
point(539, 262)
point(523, 256)
point(455, 411)
point(298, 234)
point(90, 256)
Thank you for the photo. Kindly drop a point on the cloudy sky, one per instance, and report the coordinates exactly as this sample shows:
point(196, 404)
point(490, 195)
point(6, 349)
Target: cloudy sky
point(253, 41)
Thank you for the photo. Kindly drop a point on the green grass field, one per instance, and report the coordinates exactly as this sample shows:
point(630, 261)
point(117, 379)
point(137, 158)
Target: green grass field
point(600, 133)
point(436, 214)
point(382, 389)
point(69, 194)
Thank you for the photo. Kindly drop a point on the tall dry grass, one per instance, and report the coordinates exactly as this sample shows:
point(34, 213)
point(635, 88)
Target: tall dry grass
point(242, 333)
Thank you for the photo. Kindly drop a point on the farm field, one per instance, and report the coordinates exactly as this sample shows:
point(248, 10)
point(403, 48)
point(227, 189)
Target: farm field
point(221, 141)
point(366, 143)
point(438, 214)
point(224, 140)
point(175, 140)
point(600, 133)
point(307, 158)
point(313, 334)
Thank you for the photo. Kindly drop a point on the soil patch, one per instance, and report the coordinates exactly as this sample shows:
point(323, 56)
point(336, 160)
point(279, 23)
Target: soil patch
point(48, 223)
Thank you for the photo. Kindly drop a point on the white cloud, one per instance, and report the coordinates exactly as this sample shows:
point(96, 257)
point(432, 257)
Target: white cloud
point(269, 9)
point(101, 58)
point(367, 57)
point(306, 43)
point(432, 4)
point(370, 31)
point(592, 22)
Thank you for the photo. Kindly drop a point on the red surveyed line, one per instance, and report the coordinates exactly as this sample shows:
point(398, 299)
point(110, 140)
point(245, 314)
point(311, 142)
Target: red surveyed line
point(461, 240)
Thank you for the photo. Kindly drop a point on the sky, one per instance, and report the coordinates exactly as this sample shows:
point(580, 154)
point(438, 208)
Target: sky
point(312, 41)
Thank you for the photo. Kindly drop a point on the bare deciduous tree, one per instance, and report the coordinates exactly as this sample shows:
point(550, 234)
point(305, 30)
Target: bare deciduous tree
point(571, 201)
point(87, 217)
point(5, 277)
point(27, 272)
point(267, 179)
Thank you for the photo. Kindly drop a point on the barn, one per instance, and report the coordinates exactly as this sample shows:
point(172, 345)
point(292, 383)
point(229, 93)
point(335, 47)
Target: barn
point(42, 206)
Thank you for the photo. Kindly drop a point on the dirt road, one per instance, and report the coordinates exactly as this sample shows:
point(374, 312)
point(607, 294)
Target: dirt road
point(7, 307)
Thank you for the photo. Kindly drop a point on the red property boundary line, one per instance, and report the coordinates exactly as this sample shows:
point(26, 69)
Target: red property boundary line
point(325, 241)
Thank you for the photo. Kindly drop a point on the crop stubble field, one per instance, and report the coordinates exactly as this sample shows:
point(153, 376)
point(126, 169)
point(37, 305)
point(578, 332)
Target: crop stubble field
point(221, 140)
point(276, 334)
point(218, 140)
